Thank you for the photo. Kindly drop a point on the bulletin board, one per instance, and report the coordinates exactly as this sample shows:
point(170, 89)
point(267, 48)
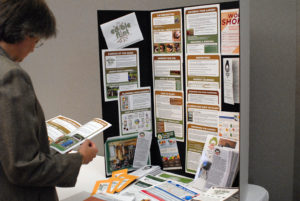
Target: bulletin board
point(110, 108)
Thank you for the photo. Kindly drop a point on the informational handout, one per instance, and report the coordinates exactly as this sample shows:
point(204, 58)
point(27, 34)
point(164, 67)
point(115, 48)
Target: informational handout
point(218, 163)
point(169, 112)
point(65, 134)
point(231, 77)
point(144, 182)
point(203, 72)
point(216, 194)
point(122, 32)
point(166, 31)
point(167, 72)
point(230, 32)
point(229, 125)
point(142, 151)
point(202, 32)
point(120, 71)
point(135, 111)
point(169, 151)
point(170, 191)
point(119, 153)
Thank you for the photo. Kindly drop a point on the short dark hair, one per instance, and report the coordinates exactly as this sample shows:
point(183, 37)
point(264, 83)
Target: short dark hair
point(21, 18)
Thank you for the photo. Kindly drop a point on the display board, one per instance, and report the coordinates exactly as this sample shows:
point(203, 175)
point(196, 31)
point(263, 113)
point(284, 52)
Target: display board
point(166, 46)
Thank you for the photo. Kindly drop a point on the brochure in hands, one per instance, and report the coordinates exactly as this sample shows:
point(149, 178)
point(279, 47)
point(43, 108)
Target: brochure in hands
point(65, 134)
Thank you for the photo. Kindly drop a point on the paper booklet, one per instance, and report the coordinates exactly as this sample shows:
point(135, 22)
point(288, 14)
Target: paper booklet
point(65, 134)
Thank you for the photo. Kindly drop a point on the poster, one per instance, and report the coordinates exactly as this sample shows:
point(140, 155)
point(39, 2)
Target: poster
point(135, 111)
point(166, 32)
point(169, 113)
point(168, 73)
point(202, 32)
point(230, 32)
point(122, 32)
point(120, 71)
point(203, 72)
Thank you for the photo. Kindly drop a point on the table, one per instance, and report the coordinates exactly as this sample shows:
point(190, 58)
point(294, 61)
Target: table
point(88, 175)
point(95, 171)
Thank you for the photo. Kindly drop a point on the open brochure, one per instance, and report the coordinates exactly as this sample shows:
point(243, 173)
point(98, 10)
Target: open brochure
point(218, 164)
point(65, 134)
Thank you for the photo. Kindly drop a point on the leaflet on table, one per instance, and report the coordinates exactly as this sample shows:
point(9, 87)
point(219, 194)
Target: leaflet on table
point(169, 113)
point(175, 177)
point(119, 153)
point(203, 72)
point(230, 32)
point(169, 151)
point(218, 163)
point(142, 151)
point(122, 31)
point(144, 182)
point(135, 110)
point(216, 194)
point(65, 134)
point(120, 71)
point(202, 32)
point(231, 80)
point(229, 125)
point(167, 73)
point(202, 120)
point(170, 191)
point(166, 31)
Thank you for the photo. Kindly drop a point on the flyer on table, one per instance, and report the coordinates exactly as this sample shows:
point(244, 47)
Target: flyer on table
point(169, 151)
point(135, 111)
point(120, 71)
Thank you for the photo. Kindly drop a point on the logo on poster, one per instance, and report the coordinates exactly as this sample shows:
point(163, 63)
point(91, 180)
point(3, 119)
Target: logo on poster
point(121, 31)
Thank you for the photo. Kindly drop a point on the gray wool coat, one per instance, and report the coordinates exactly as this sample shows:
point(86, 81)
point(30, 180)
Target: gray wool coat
point(28, 170)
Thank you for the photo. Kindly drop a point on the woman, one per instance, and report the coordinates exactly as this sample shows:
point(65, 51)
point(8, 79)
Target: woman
point(28, 171)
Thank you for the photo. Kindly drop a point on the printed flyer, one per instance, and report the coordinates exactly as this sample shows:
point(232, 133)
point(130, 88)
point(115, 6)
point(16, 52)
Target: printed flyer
point(120, 71)
point(167, 72)
point(202, 32)
point(135, 111)
point(166, 32)
point(169, 113)
point(202, 120)
point(169, 151)
point(230, 32)
point(231, 77)
point(203, 72)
